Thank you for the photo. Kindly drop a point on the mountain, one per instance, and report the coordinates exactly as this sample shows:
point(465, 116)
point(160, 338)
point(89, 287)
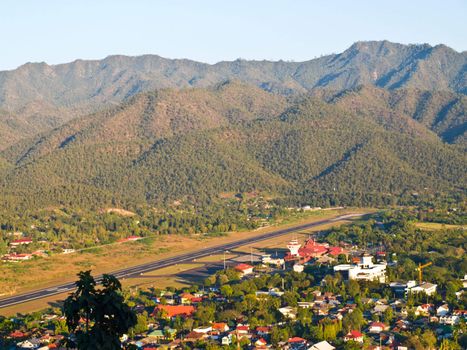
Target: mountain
point(42, 97)
point(195, 144)
point(417, 111)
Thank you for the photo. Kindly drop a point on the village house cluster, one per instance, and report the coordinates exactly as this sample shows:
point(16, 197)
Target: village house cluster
point(382, 319)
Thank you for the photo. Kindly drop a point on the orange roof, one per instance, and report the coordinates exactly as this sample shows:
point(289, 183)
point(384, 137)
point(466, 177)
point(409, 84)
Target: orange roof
point(243, 267)
point(296, 340)
point(176, 310)
point(219, 326)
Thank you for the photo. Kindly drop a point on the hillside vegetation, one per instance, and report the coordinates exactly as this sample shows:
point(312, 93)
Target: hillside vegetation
point(42, 97)
point(194, 144)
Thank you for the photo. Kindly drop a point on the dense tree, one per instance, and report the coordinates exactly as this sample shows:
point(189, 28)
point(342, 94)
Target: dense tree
point(98, 316)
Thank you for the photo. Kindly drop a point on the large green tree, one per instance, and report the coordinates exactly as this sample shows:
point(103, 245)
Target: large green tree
point(98, 316)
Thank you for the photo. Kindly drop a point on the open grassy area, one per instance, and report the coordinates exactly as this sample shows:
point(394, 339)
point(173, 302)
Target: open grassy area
point(30, 275)
point(434, 226)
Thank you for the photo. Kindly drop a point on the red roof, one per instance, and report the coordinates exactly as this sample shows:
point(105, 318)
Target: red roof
point(263, 329)
point(243, 328)
point(378, 324)
point(187, 296)
point(17, 334)
point(243, 267)
point(296, 340)
point(336, 250)
point(22, 240)
point(354, 334)
point(176, 310)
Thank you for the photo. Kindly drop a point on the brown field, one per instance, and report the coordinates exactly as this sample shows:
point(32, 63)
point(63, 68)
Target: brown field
point(35, 274)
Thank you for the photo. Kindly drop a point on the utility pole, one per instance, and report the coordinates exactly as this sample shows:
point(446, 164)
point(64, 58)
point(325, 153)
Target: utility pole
point(224, 260)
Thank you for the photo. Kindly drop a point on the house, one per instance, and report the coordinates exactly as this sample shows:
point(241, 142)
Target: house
point(425, 287)
point(244, 269)
point(450, 319)
point(204, 330)
point(377, 327)
point(174, 310)
point(186, 298)
point(220, 327)
point(261, 342)
point(297, 343)
point(424, 309)
point(365, 270)
point(298, 267)
point(288, 311)
point(227, 340)
point(22, 241)
point(380, 309)
point(193, 337)
point(17, 257)
point(263, 330)
point(322, 345)
point(27, 344)
point(305, 304)
point(355, 336)
point(155, 335)
point(402, 288)
point(336, 251)
point(242, 330)
point(442, 310)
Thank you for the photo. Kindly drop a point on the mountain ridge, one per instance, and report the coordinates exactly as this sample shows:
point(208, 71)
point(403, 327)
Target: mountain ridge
point(44, 96)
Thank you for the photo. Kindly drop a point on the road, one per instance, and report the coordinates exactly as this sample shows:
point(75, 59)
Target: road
point(158, 264)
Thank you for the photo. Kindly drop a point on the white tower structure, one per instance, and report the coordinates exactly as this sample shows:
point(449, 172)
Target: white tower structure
point(293, 247)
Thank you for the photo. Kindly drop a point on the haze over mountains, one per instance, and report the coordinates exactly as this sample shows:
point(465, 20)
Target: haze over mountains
point(376, 121)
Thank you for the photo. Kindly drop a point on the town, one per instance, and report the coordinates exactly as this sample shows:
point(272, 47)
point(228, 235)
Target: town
point(310, 295)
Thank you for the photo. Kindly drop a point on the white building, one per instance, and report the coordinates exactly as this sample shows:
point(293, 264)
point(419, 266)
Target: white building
point(322, 345)
point(425, 287)
point(364, 270)
point(298, 268)
point(293, 247)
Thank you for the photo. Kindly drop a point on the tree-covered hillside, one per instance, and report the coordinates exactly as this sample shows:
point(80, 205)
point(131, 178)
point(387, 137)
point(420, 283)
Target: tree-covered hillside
point(42, 96)
point(194, 144)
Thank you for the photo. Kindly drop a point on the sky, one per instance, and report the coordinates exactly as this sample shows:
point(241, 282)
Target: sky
point(58, 31)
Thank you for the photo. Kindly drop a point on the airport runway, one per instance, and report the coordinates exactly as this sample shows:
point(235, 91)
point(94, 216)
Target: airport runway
point(137, 270)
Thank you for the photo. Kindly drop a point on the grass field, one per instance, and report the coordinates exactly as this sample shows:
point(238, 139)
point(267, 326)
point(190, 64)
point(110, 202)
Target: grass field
point(434, 226)
point(35, 274)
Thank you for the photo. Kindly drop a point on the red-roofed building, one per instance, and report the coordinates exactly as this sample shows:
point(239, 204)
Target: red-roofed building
point(186, 298)
point(355, 336)
point(335, 251)
point(17, 334)
point(310, 250)
point(377, 327)
point(175, 310)
point(244, 269)
point(296, 340)
point(17, 257)
point(220, 327)
point(21, 241)
point(263, 330)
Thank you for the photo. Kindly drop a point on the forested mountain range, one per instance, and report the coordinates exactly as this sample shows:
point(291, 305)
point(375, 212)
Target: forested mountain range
point(362, 146)
point(37, 97)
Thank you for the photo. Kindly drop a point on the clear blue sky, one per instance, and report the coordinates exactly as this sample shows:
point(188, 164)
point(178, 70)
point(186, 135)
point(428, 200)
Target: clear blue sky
point(57, 31)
